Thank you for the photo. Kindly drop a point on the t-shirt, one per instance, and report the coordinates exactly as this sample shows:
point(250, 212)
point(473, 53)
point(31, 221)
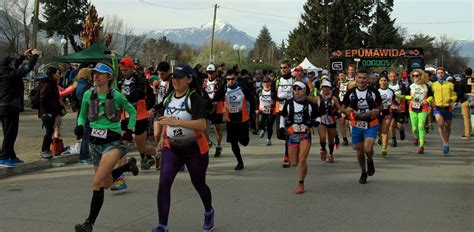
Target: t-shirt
point(177, 108)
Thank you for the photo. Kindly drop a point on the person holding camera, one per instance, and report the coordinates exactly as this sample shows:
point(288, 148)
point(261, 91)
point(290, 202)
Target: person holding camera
point(11, 101)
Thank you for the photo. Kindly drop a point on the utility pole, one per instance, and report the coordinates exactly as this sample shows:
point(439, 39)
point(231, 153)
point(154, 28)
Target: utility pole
point(35, 24)
point(211, 56)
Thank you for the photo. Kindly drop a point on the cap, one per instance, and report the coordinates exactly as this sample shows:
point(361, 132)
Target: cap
point(164, 66)
point(325, 78)
point(299, 68)
point(126, 62)
point(299, 84)
point(182, 70)
point(266, 79)
point(211, 68)
point(326, 84)
point(325, 72)
point(450, 78)
point(468, 71)
point(102, 68)
point(312, 72)
point(404, 74)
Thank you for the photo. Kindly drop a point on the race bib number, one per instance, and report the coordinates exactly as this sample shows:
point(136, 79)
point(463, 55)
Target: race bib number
point(298, 128)
point(416, 105)
point(362, 125)
point(266, 110)
point(280, 105)
point(99, 133)
point(234, 109)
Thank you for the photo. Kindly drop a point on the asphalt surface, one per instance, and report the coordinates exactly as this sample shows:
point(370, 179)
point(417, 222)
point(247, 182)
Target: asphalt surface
point(409, 192)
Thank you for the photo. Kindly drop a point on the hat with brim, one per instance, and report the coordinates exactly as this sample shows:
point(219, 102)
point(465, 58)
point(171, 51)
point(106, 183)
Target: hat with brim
point(326, 84)
point(299, 84)
point(102, 68)
point(182, 70)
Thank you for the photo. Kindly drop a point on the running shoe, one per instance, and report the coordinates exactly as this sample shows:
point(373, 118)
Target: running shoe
point(421, 150)
point(286, 162)
point(331, 158)
point(427, 129)
point(299, 188)
point(255, 132)
point(431, 126)
point(336, 146)
point(384, 152)
point(402, 135)
point(160, 228)
point(464, 137)
point(370, 167)
point(394, 142)
point(363, 178)
point(133, 165)
point(239, 166)
point(218, 151)
point(147, 162)
point(261, 133)
point(415, 141)
point(269, 142)
point(345, 141)
point(46, 155)
point(120, 184)
point(84, 227)
point(208, 221)
point(336, 140)
point(323, 152)
point(379, 140)
point(446, 150)
point(17, 160)
point(7, 163)
point(85, 162)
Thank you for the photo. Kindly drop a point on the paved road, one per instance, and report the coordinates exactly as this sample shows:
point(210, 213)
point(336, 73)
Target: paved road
point(407, 193)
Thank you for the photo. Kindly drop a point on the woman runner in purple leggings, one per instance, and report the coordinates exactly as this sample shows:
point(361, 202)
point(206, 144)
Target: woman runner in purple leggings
point(183, 142)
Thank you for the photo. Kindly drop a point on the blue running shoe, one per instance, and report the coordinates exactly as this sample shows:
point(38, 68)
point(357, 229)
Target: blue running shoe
point(160, 228)
point(17, 160)
point(208, 221)
point(446, 149)
point(7, 163)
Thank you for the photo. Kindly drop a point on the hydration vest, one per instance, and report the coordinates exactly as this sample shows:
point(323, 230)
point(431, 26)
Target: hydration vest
point(326, 105)
point(167, 100)
point(110, 112)
point(354, 99)
point(290, 120)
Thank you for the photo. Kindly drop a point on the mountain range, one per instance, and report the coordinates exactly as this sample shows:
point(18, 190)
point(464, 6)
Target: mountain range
point(198, 36)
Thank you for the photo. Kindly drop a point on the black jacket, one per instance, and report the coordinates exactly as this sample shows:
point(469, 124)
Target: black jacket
point(11, 85)
point(49, 98)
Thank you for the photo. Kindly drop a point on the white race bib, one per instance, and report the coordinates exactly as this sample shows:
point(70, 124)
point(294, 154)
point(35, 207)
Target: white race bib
point(280, 105)
point(266, 110)
point(234, 109)
point(415, 105)
point(99, 133)
point(298, 128)
point(362, 125)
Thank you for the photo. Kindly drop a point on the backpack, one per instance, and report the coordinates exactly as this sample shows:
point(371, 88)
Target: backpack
point(167, 100)
point(306, 117)
point(33, 98)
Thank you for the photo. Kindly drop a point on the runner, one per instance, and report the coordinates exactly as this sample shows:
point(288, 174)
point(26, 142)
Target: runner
point(183, 142)
point(283, 86)
point(420, 96)
point(328, 106)
point(343, 85)
point(102, 106)
point(213, 84)
point(388, 100)
point(443, 95)
point(398, 111)
point(297, 117)
point(266, 108)
point(363, 104)
point(237, 102)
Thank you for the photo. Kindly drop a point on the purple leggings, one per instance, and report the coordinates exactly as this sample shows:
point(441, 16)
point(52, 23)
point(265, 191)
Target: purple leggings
point(171, 163)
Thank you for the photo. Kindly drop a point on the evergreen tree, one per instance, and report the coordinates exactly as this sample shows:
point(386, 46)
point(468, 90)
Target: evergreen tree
point(264, 47)
point(383, 33)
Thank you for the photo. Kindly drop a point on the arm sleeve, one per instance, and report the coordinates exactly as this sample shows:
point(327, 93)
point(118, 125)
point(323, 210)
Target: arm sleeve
point(345, 101)
point(197, 106)
point(81, 120)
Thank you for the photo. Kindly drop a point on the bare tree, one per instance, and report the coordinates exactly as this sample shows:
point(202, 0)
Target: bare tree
point(132, 43)
point(114, 27)
point(14, 24)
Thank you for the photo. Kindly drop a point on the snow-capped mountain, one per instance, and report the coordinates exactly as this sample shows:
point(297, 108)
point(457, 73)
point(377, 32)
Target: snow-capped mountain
point(200, 35)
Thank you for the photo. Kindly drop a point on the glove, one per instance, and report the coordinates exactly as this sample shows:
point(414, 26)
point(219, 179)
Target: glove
point(128, 136)
point(79, 131)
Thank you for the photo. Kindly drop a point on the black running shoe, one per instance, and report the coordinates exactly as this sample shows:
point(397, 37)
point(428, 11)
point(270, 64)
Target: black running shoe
point(133, 165)
point(345, 141)
point(239, 166)
point(394, 142)
point(370, 167)
point(336, 140)
point(363, 178)
point(218, 152)
point(402, 135)
point(84, 227)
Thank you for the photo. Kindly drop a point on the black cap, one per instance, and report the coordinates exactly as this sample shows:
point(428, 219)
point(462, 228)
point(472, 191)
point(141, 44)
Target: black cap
point(183, 70)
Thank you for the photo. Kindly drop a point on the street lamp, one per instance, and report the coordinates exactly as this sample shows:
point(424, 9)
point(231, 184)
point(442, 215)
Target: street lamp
point(239, 48)
point(52, 42)
point(357, 60)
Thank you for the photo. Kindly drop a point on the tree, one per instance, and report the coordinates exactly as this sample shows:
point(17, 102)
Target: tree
point(264, 47)
point(14, 25)
point(63, 17)
point(162, 49)
point(224, 54)
point(383, 33)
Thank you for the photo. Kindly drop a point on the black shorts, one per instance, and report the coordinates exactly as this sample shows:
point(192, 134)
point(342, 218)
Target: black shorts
point(399, 117)
point(238, 132)
point(216, 118)
point(140, 127)
point(330, 125)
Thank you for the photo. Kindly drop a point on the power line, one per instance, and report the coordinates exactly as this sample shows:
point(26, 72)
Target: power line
point(175, 8)
point(258, 13)
point(447, 22)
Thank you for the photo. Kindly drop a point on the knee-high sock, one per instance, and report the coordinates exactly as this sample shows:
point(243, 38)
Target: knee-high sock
point(96, 204)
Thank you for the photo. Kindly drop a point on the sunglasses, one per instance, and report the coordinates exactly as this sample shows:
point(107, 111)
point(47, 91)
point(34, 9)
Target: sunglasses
point(230, 79)
point(284, 67)
point(415, 75)
point(297, 88)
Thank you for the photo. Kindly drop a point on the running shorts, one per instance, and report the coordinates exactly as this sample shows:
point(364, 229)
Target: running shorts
point(96, 151)
point(447, 115)
point(295, 139)
point(140, 127)
point(359, 135)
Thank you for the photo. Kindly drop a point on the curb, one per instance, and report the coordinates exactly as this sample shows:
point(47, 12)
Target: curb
point(39, 165)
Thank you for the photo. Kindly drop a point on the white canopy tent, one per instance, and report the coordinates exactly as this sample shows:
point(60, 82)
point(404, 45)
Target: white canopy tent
point(306, 64)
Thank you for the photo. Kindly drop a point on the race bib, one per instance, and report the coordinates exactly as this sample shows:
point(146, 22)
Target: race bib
point(99, 133)
point(416, 105)
point(234, 109)
point(326, 120)
point(280, 105)
point(298, 128)
point(362, 125)
point(266, 110)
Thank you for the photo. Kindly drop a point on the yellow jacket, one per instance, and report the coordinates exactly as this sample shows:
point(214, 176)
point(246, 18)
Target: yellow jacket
point(443, 94)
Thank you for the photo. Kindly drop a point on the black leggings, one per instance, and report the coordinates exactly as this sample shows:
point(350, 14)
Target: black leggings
point(170, 166)
point(48, 124)
point(266, 122)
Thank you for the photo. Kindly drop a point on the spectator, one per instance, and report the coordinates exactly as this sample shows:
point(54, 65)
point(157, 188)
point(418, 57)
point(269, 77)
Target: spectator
point(11, 101)
point(464, 89)
point(83, 84)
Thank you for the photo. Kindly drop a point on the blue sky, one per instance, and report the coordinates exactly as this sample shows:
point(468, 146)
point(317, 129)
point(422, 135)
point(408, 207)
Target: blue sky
point(453, 18)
